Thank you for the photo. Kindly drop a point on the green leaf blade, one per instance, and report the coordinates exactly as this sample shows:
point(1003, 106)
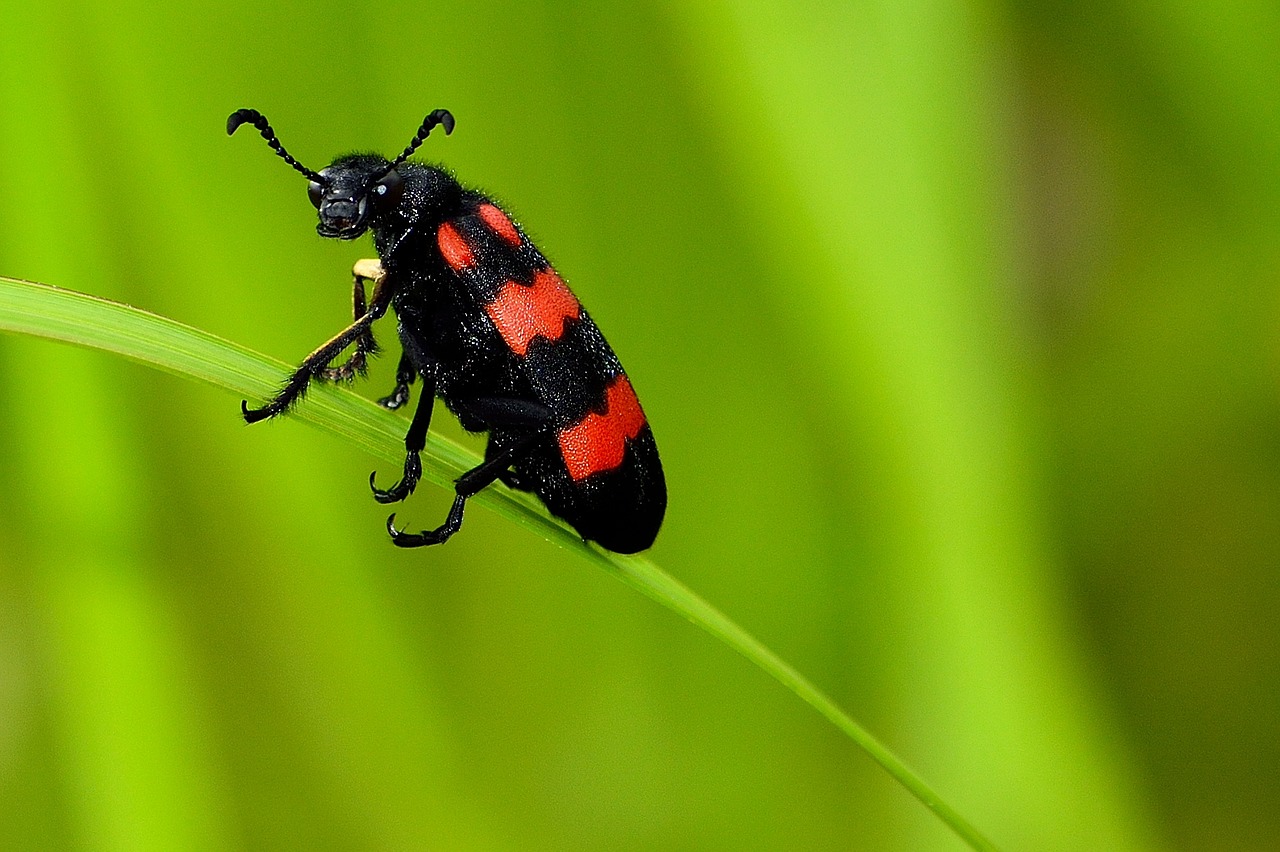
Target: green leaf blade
point(53, 313)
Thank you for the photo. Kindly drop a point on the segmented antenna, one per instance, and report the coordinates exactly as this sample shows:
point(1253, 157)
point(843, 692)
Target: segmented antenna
point(258, 120)
point(441, 117)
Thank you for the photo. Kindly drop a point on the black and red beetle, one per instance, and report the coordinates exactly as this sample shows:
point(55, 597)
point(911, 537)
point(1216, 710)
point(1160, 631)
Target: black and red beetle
point(495, 333)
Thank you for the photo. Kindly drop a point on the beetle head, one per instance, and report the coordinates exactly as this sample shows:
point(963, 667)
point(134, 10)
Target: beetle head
point(353, 190)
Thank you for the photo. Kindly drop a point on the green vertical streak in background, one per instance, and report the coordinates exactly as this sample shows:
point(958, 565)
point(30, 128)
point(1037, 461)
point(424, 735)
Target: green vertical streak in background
point(1165, 385)
point(1218, 65)
point(133, 755)
point(127, 721)
point(887, 221)
point(133, 747)
point(353, 750)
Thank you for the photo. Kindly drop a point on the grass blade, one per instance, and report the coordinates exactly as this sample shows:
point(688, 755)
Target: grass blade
point(43, 311)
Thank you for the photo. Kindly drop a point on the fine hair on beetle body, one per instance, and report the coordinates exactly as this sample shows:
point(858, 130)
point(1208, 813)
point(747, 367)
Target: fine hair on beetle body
point(488, 326)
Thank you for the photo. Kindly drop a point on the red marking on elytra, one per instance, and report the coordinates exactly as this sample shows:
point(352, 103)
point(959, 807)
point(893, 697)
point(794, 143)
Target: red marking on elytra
point(500, 224)
point(597, 442)
point(523, 312)
point(454, 247)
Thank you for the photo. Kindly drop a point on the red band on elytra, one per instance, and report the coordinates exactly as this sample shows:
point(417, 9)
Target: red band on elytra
point(454, 248)
point(541, 309)
point(500, 224)
point(598, 442)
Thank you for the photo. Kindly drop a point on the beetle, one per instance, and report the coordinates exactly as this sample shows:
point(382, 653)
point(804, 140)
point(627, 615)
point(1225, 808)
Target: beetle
point(491, 328)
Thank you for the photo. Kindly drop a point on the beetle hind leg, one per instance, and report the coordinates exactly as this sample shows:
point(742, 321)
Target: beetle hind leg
point(468, 485)
point(439, 535)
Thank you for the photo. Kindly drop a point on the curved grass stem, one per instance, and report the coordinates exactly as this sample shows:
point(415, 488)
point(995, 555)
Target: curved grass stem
point(43, 311)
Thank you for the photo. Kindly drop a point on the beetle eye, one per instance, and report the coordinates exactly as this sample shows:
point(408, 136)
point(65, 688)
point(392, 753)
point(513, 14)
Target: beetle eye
point(388, 189)
point(315, 192)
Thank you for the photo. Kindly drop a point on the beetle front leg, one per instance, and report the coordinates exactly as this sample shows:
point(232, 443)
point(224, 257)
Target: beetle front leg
point(358, 364)
point(314, 364)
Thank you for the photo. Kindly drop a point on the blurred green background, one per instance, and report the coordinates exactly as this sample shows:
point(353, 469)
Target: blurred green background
point(957, 325)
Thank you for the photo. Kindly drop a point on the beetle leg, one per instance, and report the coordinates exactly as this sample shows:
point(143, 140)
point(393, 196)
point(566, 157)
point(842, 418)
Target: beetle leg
point(530, 419)
point(508, 477)
point(314, 364)
point(414, 440)
point(370, 269)
point(469, 484)
point(507, 412)
point(358, 363)
point(405, 374)
point(512, 413)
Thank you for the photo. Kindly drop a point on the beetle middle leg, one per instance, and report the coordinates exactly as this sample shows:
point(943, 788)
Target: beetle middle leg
point(405, 374)
point(414, 441)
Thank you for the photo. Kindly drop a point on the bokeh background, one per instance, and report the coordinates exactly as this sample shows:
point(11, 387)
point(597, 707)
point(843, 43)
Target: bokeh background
point(957, 323)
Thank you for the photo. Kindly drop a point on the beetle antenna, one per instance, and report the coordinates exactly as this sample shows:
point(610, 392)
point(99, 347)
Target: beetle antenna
point(258, 120)
point(441, 117)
